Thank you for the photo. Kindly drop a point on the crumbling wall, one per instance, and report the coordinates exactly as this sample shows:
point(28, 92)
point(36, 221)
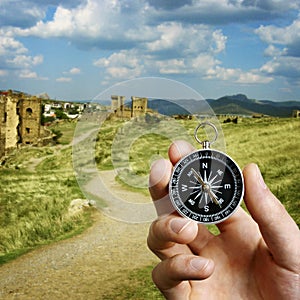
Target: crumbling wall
point(2, 125)
point(11, 123)
point(20, 121)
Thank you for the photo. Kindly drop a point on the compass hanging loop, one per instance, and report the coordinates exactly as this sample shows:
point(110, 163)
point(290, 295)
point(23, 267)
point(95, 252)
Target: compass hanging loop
point(205, 144)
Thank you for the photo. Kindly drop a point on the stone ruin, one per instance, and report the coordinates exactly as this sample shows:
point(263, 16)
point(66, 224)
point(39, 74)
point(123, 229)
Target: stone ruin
point(138, 107)
point(20, 121)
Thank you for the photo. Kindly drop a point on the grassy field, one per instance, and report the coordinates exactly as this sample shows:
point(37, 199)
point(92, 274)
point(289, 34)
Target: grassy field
point(33, 203)
point(274, 146)
point(272, 143)
point(34, 181)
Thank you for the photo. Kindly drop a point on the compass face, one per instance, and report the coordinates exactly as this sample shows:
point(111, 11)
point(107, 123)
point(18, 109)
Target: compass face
point(206, 186)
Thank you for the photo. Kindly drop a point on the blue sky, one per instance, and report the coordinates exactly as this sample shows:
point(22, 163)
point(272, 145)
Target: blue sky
point(74, 49)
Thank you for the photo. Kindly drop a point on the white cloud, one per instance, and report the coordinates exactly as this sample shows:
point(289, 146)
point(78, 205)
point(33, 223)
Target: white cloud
point(64, 79)
point(73, 71)
point(285, 56)
point(28, 74)
point(253, 77)
point(27, 13)
point(95, 24)
point(203, 63)
point(280, 35)
point(9, 45)
point(61, 25)
point(288, 36)
point(121, 65)
point(23, 61)
point(239, 76)
point(285, 66)
point(176, 50)
point(13, 56)
point(172, 66)
point(186, 40)
point(272, 51)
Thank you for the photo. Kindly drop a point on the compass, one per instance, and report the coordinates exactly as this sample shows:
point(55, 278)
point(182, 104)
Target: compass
point(206, 185)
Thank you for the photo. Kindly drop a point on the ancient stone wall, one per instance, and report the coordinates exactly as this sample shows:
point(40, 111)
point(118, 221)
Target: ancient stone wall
point(20, 121)
point(2, 125)
point(11, 122)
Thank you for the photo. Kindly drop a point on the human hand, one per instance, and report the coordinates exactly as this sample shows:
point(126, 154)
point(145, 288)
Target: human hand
point(253, 257)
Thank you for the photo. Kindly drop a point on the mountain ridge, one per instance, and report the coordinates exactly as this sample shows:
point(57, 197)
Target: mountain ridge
point(238, 104)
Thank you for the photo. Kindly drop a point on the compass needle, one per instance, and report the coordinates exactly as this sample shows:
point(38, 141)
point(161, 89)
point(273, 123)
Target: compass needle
point(214, 198)
point(198, 177)
point(206, 198)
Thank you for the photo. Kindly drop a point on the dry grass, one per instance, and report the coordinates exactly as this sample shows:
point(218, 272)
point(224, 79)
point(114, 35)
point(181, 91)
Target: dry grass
point(36, 188)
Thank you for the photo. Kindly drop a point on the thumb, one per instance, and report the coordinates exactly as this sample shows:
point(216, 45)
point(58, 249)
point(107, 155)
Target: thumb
point(278, 229)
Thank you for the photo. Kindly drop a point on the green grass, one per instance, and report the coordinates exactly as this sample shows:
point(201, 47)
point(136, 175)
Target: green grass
point(138, 286)
point(34, 200)
point(272, 143)
point(274, 146)
point(67, 128)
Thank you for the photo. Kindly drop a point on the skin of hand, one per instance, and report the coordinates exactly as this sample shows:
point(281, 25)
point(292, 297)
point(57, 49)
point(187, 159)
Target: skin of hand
point(254, 256)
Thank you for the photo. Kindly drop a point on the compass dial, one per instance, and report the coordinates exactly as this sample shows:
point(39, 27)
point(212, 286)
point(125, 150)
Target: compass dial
point(206, 186)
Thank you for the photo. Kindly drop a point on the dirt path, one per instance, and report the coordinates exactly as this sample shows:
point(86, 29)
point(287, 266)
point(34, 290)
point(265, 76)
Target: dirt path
point(83, 267)
point(122, 204)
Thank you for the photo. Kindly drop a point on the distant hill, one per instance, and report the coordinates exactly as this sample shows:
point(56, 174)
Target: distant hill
point(236, 104)
point(168, 107)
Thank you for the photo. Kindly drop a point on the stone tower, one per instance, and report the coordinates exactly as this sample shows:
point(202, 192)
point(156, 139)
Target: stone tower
point(30, 120)
point(20, 121)
point(9, 121)
point(117, 105)
point(2, 125)
point(138, 106)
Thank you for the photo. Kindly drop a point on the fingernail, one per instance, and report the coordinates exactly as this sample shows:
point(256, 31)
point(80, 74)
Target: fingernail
point(260, 178)
point(179, 224)
point(199, 263)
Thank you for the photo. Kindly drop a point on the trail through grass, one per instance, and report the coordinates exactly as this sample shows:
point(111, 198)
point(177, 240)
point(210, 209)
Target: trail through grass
point(34, 201)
